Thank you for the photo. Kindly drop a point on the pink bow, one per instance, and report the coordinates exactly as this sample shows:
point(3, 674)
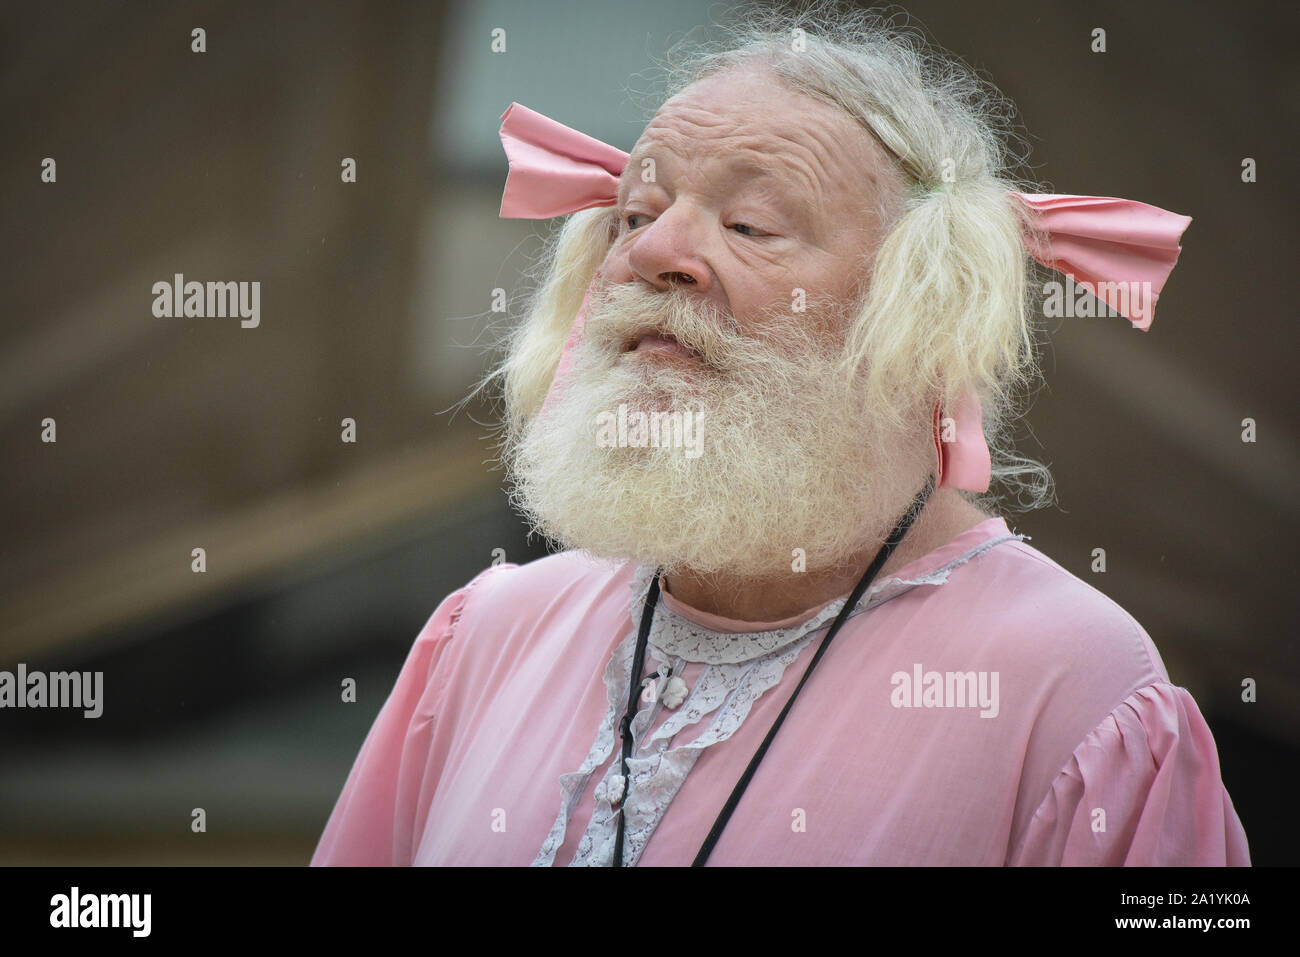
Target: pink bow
point(1120, 250)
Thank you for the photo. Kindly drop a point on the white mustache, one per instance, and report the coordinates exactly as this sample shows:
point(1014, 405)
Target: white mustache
point(620, 314)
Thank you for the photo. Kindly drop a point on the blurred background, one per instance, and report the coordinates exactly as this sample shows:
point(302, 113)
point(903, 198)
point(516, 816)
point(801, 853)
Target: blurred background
point(324, 559)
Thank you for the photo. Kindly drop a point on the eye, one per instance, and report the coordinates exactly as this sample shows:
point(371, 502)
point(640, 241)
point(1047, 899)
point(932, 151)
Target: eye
point(746, 230)
point(627, 220)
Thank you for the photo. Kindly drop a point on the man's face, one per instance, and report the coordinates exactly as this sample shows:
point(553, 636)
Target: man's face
point(755, 192)
point(761, 199)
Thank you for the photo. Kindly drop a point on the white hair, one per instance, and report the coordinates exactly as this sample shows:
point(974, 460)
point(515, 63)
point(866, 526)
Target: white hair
point(946, 305)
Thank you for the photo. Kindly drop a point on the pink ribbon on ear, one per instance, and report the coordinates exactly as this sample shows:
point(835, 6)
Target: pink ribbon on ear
point(1117, 249)
point(1120, 250)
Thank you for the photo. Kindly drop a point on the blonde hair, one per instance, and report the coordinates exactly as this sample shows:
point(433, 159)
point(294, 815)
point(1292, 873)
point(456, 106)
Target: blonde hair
point(946, 308)
point(565, 269)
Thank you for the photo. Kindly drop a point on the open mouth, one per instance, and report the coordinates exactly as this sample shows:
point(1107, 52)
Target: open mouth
point(660, 343)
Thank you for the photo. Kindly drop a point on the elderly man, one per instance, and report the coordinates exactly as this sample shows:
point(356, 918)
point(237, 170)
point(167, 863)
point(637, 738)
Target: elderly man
point(783, 631)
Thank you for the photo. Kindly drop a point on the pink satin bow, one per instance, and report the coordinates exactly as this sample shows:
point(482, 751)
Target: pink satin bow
point(1118, 249)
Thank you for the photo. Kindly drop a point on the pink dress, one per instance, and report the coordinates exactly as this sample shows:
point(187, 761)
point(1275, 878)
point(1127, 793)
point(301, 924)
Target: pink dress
point(983, 706)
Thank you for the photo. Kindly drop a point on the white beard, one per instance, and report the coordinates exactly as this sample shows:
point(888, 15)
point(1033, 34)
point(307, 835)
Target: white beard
point(790, 457)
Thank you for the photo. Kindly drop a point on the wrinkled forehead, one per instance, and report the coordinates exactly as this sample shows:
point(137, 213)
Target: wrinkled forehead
point(749, 117)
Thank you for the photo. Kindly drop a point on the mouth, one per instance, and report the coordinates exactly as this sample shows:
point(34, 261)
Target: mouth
point(649, 342)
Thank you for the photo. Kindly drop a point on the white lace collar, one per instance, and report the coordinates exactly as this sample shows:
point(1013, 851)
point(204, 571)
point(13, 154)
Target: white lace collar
point(739, 668)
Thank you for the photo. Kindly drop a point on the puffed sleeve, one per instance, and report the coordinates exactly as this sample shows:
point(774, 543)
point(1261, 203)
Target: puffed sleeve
point(1142, 788)
point(375, 818)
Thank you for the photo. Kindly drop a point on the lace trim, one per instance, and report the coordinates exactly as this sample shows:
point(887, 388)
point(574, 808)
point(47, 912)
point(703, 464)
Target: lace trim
point(617, 674)
point(656, 772)
point(739, 668)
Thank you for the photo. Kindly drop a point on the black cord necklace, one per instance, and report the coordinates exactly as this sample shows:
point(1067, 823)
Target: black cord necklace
point(647, 617)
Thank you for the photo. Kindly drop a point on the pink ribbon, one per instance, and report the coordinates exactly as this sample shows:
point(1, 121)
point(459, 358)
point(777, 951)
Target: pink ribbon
point(1120, 250)
point(555, 170)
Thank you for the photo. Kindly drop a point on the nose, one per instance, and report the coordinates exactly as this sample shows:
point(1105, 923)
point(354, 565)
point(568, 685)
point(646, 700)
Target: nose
point(668, 252)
